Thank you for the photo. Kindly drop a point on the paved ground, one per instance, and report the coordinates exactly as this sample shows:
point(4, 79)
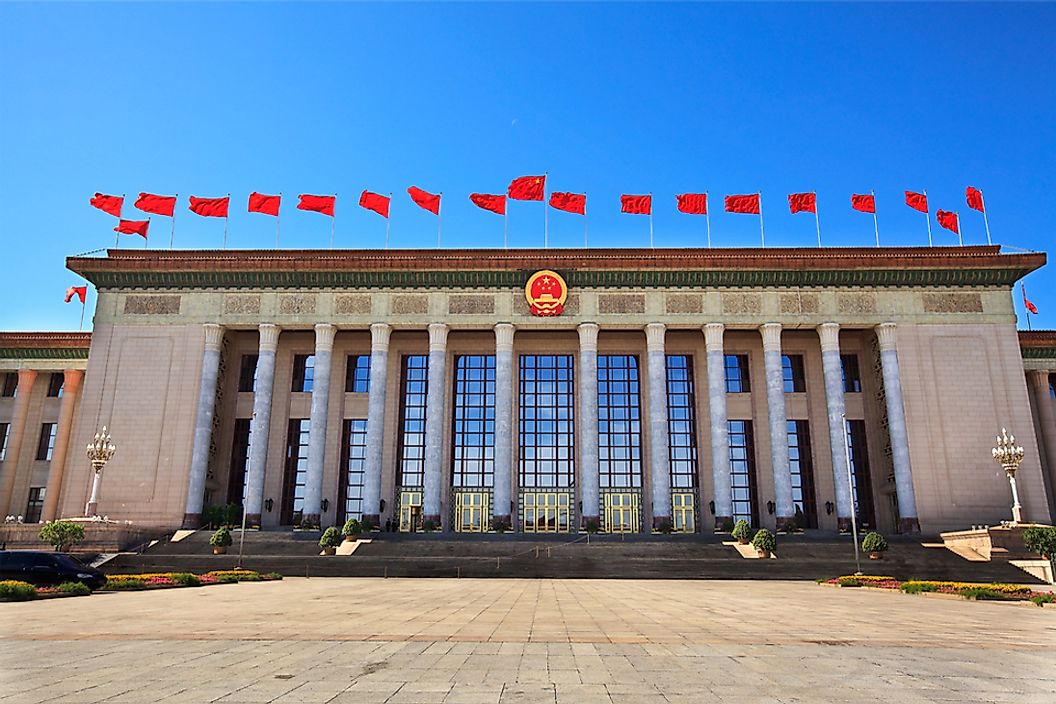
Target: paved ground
point(502, 641)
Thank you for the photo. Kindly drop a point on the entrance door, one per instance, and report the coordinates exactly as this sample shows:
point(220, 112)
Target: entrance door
point(547, 512)
point(683, 512)
point(622, 513)
point(472, 512)
point(410, 511)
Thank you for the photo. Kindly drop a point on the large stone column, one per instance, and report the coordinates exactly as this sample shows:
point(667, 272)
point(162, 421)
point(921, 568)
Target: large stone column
point(379, 374)
point(313, 485)
point(896, 427)
point(1039, 384)
point(17, 430)
point(504, 381)
point(260, 426)
point(720, 432)
point(587, 424)
point(659, 455)
point(203, 426)
point(71, 392)
point(775, 409)
point(832, 369)
point(434, 424)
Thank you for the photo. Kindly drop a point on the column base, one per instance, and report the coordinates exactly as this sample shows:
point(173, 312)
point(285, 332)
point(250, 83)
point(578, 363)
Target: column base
point(192, 521)
point(662, 524)
point(910, 526)
point(252, 520)
point(844, 524)
point(310, 521)
point(500, 524)
point(92, 509)
point(590, 524)
point(786, 522)
point(723, 524)
point(431, 522)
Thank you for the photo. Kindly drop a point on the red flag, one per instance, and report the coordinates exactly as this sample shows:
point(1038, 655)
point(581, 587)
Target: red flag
point(108, 204)
point(917, 201)
point(425, 200)
point(79, 291)
point(159, 205)
point(948, 220)
point(743, 204)
point(496, 204)
point(803, 202)
point(376, 202)
point(318, 204)
point(260, 203)
point(210, 207)
point(133, 227)
point(636, 205)
point(569, 202)
point(527, 188)
point(693, 203)
point(863, 203)
point(1029, 306)
point(975, 199)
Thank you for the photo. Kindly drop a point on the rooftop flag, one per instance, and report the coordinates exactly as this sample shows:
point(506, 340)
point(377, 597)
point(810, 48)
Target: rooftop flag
point(748, 204)
point(317, 204)
point(260, 203)
point(108, 204)
point(693, 203)
point(950, 221)
point(636, 205)
point(133, 227)
point(803, 202)
point(425, 200)
point(376, 202)
point(974, 197)
point(159, 205)
point(864, 203)
point(569, 202)
point(527, 188)
point(80, 292)
point(210, 207)
point(919, 201)
point(496, 204)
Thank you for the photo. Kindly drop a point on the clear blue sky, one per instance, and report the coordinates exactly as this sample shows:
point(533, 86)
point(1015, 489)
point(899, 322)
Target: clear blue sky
point(204, 99)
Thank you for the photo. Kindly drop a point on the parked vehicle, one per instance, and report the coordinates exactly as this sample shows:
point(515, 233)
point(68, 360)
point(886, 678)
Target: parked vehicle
point(48, 569)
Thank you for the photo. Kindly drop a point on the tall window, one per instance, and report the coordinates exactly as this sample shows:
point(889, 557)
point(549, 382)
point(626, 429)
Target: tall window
point(357, 374)
point(852, 375)
point(353, 459)
point(4, 431)
point(296, 471)
point(619, 423)
point(1052, 385)
point(35, 504)
point(792, 372)
point(247, 373)
point(55, 384)
point(303, 372)
point(546, 424)
point(46, 445)
point(8, 384)
point(236, 476)
point(861, 482)
point(742, 470)
point(474, 422)
point(801, 467)
point(681, 422)
point(737, 381)
point(414, 382)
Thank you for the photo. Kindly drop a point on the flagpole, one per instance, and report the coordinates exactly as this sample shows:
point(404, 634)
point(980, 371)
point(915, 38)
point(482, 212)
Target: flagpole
point(225, 221)
point(986, 222)
point(875, 226)
point(960, 238)
point(83, 304)
point(546, 213)
point(505, 226)
point(146, 240)
point(707, 218)
point(927, 218)
point(817, 222)
point(439, 219)
point(277, 218)
point(762, 234)
point(172, 228)
point(332, 218)
point(650, 220)
point(586, 244)
point(117, 236)
point(1026, 311)
point(388, 222)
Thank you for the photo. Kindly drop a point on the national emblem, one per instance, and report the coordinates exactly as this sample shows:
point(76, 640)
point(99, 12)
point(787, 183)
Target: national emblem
point(546, 292)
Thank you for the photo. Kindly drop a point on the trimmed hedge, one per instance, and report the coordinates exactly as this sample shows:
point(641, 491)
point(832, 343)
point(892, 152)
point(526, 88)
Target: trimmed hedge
point(14, 590)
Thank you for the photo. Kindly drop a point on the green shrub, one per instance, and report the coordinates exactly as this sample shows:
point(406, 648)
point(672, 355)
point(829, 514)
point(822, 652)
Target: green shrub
point(742, 531)
point(75, 588)
point(874, 542)
point(186, 579)
point(665, 527)
point(1044, 599)
point(592, 525)
point(849, 582)
point(1042, 540)
point(273, 575)
point(764, 541)
point(918, 587)
point(129, 585)
point(352, 528)
point(727, 525)
point(330, 538)
point(225, 515)
point(221, 538)
point(63, 535)
point(981, 593)
point(13, 590)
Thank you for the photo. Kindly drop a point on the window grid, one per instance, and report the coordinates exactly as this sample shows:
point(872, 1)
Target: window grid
point(247, 373)
point(619, 423)
point(414, 383)
point(55, 384)
point(35, 504)
point(354, 460)
point(737, 377)
point(681, 422)
point(4, 432)
point(742, 470)
point(792, 372)
point(473, 455)
point(296, 471)
point(357, 374)
point(10, 385)
point(861, 483)
point(236, 478)
point(546, 422)
point(801, 467)
point(46, 446)
point(852, 375)
point(303, 372)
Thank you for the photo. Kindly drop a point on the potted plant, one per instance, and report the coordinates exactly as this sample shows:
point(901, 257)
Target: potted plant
point(665, 527)
point(428, 525)
point(764, 543)
point(742, 532)
point(62, 535)
point(592, 525)
point(875, 545)
point(329, 541)
point(221, 540)
point(351, 530)
point(1042, 540)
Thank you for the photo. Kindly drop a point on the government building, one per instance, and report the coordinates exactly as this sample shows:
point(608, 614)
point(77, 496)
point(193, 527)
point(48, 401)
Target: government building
point(538, 391)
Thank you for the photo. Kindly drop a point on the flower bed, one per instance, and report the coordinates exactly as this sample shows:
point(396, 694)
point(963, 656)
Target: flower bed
point(968, 590)
point(164, 580)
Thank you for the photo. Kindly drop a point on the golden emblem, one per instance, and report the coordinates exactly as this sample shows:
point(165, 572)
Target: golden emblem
point(546, 292)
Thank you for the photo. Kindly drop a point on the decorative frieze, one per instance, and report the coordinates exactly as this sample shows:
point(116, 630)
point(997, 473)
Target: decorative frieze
point(684, 304)
point(571, 306)
point(242, 304)
point(742, 303)
point(152, 305)
point(953, 303)
point(471, 304)
point(621, 303)
point(856, 303)
point(798, 303)
point(410, 304)
point(297, 304)
point(352, 304)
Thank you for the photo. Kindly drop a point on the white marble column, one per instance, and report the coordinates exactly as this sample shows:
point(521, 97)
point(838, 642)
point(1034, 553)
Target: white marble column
point(659, 455)
point(834, 404)
point(775, 409)
point(896, 426)
point(435, 424)
point(379, 374)
point(203, 426)
point(720, 435)
point(71, 393)
point(260, 426)
point(313, 485)
point(504, 381)
point(1046, 409)
point(587, 424)
point(15, 434)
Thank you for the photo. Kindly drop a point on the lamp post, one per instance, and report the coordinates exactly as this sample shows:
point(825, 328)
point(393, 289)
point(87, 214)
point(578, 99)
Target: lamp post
point(99, 452)
point(1009, 455)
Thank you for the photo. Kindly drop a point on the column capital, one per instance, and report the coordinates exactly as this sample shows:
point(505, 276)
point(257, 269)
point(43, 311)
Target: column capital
point(1039, 377)
point(588, 337)
point(324, 337)
point(830, 337)
point(655, 334)
point(885, 334)
point(713, 336)
point(269, 337)
point(504, 337)
point(71, 380)
point(379, 337)
point(438, 337)
point(771, 333)
point(214, 335)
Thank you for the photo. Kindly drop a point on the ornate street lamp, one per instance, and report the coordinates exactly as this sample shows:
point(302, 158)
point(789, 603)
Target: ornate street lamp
point(99, 452)
point(1009, 455)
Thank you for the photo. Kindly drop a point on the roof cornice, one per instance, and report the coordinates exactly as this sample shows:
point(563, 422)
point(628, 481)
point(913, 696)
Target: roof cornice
point(45, 345)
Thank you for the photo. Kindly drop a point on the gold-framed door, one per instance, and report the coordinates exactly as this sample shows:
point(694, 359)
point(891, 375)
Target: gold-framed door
point(472, 511)
point(684, 512)
point(622, 512)
point(546, 511)
point(410, 511)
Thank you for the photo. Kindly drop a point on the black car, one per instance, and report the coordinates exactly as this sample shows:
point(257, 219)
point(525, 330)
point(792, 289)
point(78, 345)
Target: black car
point(48, 569)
